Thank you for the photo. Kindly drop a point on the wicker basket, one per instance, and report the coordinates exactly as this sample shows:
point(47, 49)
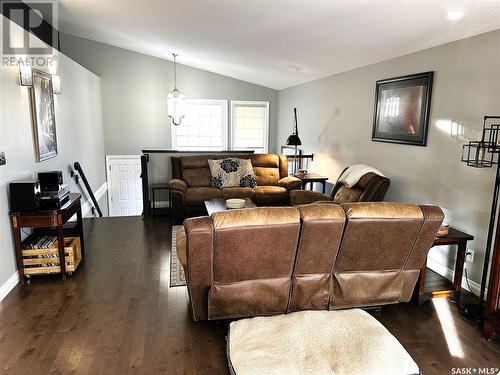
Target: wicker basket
point(34, 265)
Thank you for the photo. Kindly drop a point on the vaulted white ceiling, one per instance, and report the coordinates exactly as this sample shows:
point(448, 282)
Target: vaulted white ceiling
point(277, 43)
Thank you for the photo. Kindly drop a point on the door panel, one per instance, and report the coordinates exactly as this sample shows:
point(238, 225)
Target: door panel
point(125, 186)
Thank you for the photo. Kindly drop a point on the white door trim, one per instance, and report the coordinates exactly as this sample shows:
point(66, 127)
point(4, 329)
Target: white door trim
point(108, 177)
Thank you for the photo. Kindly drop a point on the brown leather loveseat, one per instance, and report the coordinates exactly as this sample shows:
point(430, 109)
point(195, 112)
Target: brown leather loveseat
point(190, 185)
point(271, 260)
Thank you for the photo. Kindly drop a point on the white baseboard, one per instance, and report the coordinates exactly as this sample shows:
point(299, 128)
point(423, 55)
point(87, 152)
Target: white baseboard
point(447, 273)
point(9, 285)
point(87, 206)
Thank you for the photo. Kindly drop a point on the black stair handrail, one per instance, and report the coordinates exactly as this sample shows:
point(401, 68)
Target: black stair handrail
point(79, 169)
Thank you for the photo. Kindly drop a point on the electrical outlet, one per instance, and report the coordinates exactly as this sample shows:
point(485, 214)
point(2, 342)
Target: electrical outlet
point(469, 257)
point(2, 158)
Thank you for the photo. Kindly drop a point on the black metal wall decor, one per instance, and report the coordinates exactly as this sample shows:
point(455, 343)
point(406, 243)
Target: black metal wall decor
point(484, 154)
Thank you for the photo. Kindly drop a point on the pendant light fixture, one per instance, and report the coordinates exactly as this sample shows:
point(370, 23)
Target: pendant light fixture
point(175, 100)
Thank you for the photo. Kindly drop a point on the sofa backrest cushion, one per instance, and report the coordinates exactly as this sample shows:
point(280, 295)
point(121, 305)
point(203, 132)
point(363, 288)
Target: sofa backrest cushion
point(268, 168)
point(253, 256)
point(320, 236)
point(379, 240)
point(371, 187)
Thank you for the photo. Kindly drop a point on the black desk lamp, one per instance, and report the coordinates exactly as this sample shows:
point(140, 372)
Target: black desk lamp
point(484, 154)
point(294, 140)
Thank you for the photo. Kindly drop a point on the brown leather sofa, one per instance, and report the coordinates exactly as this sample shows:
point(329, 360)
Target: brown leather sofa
point(271, 260)
point(370, 188)
point(190, 184)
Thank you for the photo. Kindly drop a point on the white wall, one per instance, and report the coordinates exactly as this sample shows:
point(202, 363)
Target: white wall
point(335, 117)
point(79, 134)
point(135, 88)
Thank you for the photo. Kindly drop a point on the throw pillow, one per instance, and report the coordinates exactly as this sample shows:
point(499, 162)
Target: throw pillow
point(231, 172)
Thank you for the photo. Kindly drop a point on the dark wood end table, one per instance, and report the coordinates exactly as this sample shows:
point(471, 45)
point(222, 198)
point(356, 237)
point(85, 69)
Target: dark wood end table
point(423, 292)
point(48, 218)
point(161, 186)
point(310, 178)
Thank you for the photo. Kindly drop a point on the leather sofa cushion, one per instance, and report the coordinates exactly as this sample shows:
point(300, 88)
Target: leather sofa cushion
point(365, 180)
point(197, 195)
point(197, 177)
point(263, 216)
point(249, 298)
point(345, 194)
point(383, 210)
point(265, 160)
point(266, 176)
point(271, 195)
point(238, 192)
point(355, 289)
point(180, 244)
point(195, 162)
point(266, 168)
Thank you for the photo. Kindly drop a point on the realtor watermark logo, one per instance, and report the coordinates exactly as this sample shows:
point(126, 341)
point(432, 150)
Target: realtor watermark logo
point(475, 371)
point(30, 34)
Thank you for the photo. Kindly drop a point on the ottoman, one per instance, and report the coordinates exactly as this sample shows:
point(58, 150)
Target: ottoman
point(316, 343)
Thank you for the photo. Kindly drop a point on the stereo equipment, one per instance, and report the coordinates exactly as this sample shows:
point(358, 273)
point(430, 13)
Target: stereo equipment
point(50, 181)
point(52, 199)
point(24, 195)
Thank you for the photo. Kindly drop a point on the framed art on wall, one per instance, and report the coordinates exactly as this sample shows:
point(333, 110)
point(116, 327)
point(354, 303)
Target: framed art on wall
point(402, 108)
point(43, 116)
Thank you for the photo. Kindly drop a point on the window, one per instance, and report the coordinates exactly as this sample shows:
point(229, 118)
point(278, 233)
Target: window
point(205, 126)
point(249, 125)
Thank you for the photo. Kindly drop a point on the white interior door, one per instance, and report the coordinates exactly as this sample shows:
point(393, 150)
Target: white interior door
point(124, 185)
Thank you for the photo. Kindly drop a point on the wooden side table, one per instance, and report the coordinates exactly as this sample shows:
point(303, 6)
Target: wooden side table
point(310, 178)
point(423, 292)
point(55, 219)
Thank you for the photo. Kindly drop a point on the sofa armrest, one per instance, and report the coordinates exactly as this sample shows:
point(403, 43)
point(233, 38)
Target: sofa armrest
point(298, 197)
point(290, 182)
point(177, 184)
point(199, 251)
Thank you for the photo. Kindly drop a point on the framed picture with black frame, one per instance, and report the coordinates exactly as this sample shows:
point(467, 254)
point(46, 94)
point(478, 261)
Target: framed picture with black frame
point(43, 116)
point(402, 108)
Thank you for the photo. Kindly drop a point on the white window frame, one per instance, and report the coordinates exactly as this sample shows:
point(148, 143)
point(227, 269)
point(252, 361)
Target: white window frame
point(265, 104)
point(225, 127)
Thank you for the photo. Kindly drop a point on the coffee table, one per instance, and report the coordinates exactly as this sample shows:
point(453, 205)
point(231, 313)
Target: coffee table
point(219, 204)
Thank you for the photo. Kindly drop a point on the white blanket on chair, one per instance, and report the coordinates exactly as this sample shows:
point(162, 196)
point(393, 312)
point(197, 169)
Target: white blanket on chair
point(352, 174)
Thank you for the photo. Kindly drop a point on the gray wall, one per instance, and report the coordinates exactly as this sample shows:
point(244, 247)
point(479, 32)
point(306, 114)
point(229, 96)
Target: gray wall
point(335, 122)
point(135, 88)
point(79, 134)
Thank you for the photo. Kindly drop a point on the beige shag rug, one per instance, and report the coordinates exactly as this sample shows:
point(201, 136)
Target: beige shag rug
point(343, 342)
point(177, 277)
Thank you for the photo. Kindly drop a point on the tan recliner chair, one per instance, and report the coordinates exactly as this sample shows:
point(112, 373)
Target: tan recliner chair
point(370, 188)
point(266, 261)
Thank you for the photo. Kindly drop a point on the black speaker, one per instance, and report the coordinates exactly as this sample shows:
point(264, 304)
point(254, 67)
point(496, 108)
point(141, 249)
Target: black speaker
point(50, 181)
point(24, 195)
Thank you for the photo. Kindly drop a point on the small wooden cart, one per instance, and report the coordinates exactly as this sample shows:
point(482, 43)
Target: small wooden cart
point(72, 249)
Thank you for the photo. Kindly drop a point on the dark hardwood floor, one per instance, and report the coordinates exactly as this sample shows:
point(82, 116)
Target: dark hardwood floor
point(117, 315)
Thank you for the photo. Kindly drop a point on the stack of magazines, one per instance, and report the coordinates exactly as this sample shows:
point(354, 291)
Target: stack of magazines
point(41, 242)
